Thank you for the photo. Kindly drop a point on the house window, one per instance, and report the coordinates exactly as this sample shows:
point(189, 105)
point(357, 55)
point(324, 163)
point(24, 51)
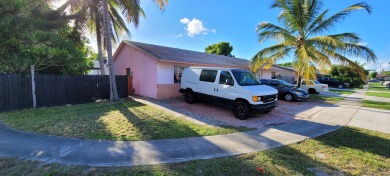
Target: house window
point(178, 71)
point(128, 71)
point(273, 75)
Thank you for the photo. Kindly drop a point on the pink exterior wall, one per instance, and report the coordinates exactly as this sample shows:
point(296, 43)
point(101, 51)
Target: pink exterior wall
point(143, 68)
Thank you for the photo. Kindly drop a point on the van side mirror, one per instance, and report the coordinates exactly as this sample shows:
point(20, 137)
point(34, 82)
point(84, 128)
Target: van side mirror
point(229, 82)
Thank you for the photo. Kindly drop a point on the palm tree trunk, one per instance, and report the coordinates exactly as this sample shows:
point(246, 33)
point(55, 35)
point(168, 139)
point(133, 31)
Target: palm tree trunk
point(107, 32)
point(99, 42)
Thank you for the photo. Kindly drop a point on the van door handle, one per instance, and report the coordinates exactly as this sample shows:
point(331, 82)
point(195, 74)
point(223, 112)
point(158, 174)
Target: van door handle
point(217, 89)
point(214, 89)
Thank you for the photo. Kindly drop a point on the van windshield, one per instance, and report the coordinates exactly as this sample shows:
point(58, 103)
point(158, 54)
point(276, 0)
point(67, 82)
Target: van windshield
point(245, 78)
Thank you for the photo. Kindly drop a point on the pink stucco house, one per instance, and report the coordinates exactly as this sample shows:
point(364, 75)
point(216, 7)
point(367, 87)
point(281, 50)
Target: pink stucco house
point(157, 70)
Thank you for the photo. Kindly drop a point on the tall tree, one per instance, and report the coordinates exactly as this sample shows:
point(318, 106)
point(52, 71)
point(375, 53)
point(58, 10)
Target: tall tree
point(302, 21)
point(33, 34)
point(107, 32)
point(373, 74)
point(88, 16)
point(110, 22)
point(221, 48)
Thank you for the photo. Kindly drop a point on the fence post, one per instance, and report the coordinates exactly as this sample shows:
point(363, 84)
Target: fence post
point(33, 86)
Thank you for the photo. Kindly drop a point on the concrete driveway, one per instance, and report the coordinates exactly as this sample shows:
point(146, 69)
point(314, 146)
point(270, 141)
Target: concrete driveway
point(214, 114)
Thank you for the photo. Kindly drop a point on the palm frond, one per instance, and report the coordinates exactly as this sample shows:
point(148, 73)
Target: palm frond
point(358, 51)
point(161, 3)
point(269, 56)
point(338, 17)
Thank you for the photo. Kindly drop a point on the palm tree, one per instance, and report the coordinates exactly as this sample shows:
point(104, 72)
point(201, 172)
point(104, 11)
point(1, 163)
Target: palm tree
point(302, 21)
point(88, 17)
point(102, 16)
point(129, 13)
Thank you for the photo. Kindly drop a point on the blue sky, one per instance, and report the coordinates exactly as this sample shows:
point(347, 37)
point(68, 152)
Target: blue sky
point(195, 24)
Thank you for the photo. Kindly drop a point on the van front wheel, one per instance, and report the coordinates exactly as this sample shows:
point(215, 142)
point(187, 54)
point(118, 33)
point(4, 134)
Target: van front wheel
point(241, 110)
point(190, 97)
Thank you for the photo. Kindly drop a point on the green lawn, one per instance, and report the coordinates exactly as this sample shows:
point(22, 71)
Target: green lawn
point(379, 94)
point(324, 99)
point(378, 87)
point(348, 92)
point(347, 151)
point(376, 104)
point(125, 120)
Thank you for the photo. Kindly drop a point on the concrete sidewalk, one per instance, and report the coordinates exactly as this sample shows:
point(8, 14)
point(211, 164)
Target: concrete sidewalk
point(50, 149)
point(380, 99)
point(372, 119)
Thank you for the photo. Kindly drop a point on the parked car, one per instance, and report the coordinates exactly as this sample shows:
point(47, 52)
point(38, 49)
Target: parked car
point(236, 88)
point(374, 80)
point(286, 90)
point(332, 82)
point(312, 86)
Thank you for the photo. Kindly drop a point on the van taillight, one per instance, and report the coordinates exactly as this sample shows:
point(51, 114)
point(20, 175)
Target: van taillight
point(323, 87)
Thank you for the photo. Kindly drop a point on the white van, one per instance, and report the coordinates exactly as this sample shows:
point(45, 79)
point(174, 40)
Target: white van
point(237, 88)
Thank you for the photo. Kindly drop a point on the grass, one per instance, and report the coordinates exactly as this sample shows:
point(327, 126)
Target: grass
point(324, 99)
point(348, 92)
point(376, 104)
point(126, 120)
point(379, 94)
point(346, 151)
point(378, 87)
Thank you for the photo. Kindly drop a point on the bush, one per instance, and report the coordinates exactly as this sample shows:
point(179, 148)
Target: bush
point(346, 74)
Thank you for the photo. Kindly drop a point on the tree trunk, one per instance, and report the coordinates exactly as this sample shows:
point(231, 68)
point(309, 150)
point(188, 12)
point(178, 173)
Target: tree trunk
point(99, 42)
point(299, 80)
point(107, 32)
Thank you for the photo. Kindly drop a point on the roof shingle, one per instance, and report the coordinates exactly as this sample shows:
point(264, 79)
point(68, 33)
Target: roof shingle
point(169, 54)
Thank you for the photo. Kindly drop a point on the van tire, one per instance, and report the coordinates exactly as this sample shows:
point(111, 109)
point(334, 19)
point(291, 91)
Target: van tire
point(190, 97)
point(312, 91)
point(241, 110)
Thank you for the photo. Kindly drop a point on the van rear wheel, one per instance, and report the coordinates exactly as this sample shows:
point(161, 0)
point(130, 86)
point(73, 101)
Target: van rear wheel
point(190, 97)
point(241, 110)
point(312, 91)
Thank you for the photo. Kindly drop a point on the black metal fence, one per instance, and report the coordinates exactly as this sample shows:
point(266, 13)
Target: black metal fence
point(55, 90)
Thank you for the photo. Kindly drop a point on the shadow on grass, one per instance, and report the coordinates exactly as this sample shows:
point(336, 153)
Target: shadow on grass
point(354, 139)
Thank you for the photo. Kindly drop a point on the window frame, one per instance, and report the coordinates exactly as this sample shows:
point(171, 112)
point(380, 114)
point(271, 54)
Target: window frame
point(220, 76)
point(208, 78)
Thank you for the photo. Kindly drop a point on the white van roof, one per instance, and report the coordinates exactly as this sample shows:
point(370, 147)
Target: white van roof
point(216, 68)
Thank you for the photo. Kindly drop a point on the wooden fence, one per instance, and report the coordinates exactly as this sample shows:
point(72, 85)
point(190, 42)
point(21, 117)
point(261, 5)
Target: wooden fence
point(55, 90)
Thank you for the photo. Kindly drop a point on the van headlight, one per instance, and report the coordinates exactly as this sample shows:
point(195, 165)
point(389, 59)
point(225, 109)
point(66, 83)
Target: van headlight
point(256, 98)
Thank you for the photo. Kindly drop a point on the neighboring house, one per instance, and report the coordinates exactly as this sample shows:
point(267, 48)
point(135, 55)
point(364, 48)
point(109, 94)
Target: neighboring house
point(95, 70)
point(156, 70)
point(277, 72)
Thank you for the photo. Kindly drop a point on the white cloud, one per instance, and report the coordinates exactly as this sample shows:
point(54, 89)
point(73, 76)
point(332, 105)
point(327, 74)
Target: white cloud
point(382, 64)
point(185, 21)
point(196, 27)
point(179, 35)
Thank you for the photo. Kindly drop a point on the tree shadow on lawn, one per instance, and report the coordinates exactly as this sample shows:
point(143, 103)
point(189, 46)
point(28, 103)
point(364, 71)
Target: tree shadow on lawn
point(146, 123)
point(352, 138)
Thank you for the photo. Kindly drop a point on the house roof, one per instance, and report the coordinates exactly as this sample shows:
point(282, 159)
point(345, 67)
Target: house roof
point(286, 68)
point(168, 54)
point(176, 55)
